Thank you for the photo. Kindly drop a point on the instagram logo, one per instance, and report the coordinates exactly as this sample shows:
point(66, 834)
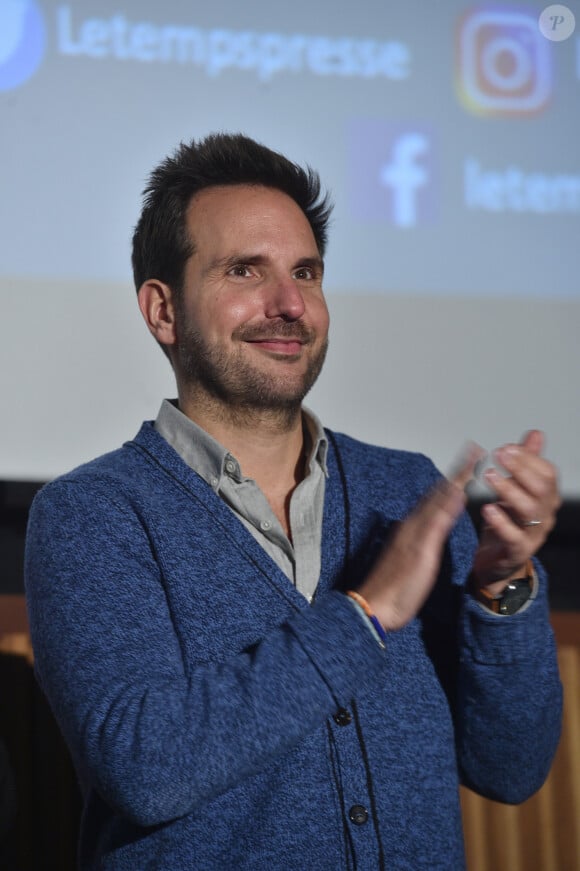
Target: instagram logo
point(22, 40)
point(504, 63)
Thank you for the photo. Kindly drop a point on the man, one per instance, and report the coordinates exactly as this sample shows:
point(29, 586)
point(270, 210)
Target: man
point(268, 645)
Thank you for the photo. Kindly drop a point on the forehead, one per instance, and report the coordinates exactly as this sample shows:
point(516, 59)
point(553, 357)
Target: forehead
point(246, 214)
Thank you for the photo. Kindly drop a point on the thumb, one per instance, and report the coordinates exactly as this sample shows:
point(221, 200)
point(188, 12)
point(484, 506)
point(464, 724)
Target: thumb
point(533, 441)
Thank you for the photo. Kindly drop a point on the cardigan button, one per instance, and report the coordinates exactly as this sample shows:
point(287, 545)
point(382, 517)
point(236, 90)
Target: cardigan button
point(342, 717)
point(358, 814)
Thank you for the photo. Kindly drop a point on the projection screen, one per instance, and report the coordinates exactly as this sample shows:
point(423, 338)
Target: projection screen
point(448, 136)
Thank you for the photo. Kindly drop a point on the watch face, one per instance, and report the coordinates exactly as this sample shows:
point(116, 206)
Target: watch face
point(514, 596)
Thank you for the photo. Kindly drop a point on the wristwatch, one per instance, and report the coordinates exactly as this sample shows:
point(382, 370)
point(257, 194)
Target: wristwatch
point(513, 597)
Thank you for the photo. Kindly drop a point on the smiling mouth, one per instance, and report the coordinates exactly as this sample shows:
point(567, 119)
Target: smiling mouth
point(279, 345)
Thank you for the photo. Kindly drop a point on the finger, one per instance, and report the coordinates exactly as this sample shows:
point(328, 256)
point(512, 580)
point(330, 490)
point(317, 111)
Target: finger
point(533, 441)
point(512, 536)
point(519, 501)
point(437, 512)
point(537, 500)
point(463, 470)
point(447, 500)
point(442, 506)
point(531, 471)
point(431, 522)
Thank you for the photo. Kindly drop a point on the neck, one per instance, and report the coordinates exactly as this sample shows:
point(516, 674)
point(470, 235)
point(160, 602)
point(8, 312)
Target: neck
point(267, 442)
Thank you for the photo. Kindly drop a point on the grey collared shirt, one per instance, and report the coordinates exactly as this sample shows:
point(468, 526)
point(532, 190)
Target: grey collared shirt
point(299, 559)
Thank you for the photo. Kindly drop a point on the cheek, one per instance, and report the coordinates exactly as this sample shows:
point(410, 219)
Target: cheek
point(237, 309)
point(220, 314)
point(320, 315)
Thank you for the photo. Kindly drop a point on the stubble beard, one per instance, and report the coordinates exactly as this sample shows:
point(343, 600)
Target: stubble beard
point(234, 389)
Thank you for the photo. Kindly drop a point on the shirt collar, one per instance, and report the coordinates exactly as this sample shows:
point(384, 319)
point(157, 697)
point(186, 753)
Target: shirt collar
point(318, 441)
point(210, 459)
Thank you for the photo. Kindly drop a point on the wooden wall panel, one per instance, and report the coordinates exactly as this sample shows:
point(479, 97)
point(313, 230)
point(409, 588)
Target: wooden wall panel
point(542, 834)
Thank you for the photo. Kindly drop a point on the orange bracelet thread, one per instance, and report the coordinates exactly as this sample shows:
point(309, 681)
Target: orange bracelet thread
point(362, 602)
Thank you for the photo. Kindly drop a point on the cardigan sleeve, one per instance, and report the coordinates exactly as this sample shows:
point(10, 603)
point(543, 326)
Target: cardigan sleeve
point(155, 740)
point(509, 698)
point(504, 685)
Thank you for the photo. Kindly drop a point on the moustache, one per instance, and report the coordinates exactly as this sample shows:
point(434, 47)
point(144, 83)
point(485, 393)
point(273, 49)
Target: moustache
point(289, 330)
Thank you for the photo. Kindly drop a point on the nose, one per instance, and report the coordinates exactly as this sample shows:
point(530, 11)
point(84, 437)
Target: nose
point(284, 299)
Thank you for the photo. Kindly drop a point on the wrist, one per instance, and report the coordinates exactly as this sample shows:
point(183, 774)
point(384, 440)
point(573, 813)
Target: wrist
point(508, 595)
point(495, 582)
point(365, 609)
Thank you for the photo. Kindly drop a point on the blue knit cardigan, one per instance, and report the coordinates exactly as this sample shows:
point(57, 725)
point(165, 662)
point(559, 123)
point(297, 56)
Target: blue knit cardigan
point(218, 721)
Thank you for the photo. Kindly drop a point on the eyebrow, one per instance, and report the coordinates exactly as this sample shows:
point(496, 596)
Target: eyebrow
point(312, 262)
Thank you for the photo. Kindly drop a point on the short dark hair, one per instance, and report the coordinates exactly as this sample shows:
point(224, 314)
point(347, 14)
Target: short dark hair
point(161, 243)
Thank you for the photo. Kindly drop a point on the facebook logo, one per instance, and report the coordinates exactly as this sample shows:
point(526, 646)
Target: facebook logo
point(22, 41)
point(404, 176)
point(392, 173)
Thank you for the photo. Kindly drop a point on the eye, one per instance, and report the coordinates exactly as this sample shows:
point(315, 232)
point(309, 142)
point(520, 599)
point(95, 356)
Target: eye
point(240, 270)
point(305, 273)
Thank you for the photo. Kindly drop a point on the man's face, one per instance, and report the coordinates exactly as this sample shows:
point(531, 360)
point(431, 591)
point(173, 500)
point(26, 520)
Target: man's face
point(252, 322)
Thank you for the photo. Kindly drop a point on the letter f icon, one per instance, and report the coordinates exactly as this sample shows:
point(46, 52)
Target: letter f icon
point(405, 177)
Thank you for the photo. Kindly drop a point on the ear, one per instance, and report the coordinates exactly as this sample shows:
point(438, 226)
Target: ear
point(156, 304)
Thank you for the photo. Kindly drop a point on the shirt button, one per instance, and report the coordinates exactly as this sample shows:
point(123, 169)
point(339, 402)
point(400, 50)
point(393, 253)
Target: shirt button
point(230, 467)
point(265, 525)
point(358, 814)
point(342, 717)
point(215, 481)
